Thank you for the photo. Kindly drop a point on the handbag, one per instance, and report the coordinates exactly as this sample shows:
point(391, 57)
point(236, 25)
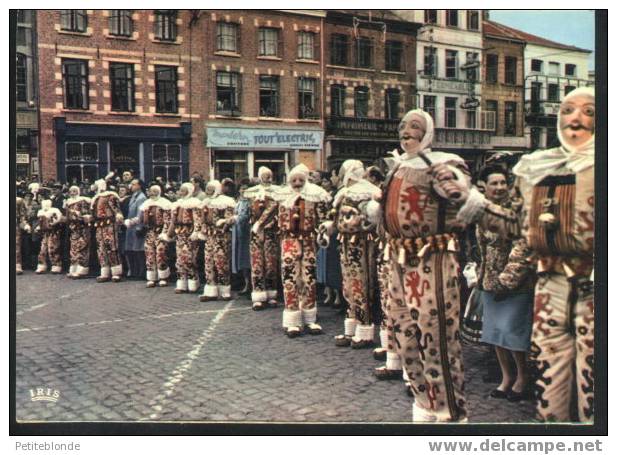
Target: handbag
point(471, 326)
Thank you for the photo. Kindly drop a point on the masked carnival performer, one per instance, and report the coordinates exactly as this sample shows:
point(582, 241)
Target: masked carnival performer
point(107, 220)
point(185, 219)
point(50, 221)
point(21, 224)
point(423, 317)
point(79, 217)
point(557, 226)
point(264, 244)
point(155, 216)
point(358, 242)
point(303, 206)
point(217, 212)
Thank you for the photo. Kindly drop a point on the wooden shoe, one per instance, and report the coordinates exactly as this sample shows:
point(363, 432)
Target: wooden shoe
point(383, 374)
point(293, 332)
point(342, 341)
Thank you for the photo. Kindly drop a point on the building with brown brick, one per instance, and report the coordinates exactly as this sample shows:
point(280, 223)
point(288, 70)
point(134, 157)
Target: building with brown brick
point(26, 68)
point(120, 89)
point(503, 86)
point(263, 77)
point(370, 82)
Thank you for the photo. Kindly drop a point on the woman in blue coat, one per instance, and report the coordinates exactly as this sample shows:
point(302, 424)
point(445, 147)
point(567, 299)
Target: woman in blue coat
point(135, 234)
point(240, 238)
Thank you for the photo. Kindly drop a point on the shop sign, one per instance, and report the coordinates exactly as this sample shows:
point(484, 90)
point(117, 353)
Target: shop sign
point(23, 158)
point(264, 138)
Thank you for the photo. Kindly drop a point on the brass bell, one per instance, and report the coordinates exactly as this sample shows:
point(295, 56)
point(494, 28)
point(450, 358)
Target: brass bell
point(548, 221)
point(296, 216)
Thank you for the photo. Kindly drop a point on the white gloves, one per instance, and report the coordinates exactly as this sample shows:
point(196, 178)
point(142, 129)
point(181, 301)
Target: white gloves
point(194, 237)
point(220, 223)
point(119, 218)
point(256, 228)
point(87, 218)
point(470, 274)
point(164, 237)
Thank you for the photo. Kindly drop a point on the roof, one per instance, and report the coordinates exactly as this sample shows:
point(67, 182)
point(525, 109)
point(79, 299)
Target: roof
point(503, 31)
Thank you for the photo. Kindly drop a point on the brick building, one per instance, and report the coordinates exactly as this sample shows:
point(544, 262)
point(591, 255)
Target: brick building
point(503, 86)
point(120, 89)
point(263, 76)
point(370, 77)
point(26, 68)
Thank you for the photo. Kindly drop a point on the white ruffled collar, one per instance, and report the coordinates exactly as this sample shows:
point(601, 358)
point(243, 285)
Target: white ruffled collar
point(359, 191)
point(287, 196)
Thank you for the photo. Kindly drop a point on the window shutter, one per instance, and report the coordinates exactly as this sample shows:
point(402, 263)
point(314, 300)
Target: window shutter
point(65, 19)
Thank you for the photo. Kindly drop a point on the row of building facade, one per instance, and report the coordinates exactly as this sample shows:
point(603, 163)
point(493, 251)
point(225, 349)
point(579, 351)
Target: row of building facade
point(174, 92)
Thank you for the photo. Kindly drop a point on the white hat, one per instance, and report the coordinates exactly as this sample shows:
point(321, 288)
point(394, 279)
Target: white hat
point(262, 171)
point(299, 169)
point(352, 170)
point(189, 187)
point(216, 185)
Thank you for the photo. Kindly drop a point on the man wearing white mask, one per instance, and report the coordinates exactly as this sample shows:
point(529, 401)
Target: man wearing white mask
point(78, 217)
point(421, 245)
point(185, 219)
point(556, 227)
point(358, 253)
point(50, 221)
point(107, 215)
point(264, 240)
point(302, 208)
point(217, 216)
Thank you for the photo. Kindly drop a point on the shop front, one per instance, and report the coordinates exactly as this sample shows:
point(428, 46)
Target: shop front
point(238, 152)
point(86, 152)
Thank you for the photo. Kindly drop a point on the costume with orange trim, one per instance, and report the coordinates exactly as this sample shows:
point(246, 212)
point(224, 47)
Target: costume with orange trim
point(358, 242)
point(50, 221)
point(217, 216)
point(422, 249)
point(302, 208)
point(264, 243)
point(555, 232)
point(184, 220)
point(79, 217)
point(107, 215)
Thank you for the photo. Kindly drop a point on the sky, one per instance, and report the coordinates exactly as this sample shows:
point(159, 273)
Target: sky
point(573, 27)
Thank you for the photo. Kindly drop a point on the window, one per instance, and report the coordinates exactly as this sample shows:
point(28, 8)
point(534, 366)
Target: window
point(510, 76)
point(430, 61)
point(429, 103)
point(536, 95)
point(167, 162)
point(552, 140)
point(226, 37)
point(510, 119)
point(394, 56)
point(570, 69)
point(472, 73)
point(536, 134)
point(492, 62)
point(536, 65)
point(21, 38)
point(364, 54)
point(338, 49)
point(470, 119)
point(121, 22)
point(451, 64)
point(73, 20)
point(82, 161)
point(430, 16)
point(165, 28)
point(553, 93)
point(361, 102)
point(452, 17)
point(450, 112)
point(23, 139)
point(306, 98)
point(567, 89)
point(75, 81)
point(473, 20)
point(268, 41)
point(21, 78)
point(492, 108)
point(553, 69)
point(227, 93)
point(269, 96)
point(393, 98)
point(23, 16)
point(122, 87)
point(166, 78)
point(306, 45)
point(337, 100)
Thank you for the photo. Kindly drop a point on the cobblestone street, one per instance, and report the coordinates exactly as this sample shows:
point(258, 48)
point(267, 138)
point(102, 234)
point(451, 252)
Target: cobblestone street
point(121, 352)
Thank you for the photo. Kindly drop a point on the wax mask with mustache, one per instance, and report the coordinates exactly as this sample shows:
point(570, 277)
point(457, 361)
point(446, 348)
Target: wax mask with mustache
point(411, 133)
point(577, 120)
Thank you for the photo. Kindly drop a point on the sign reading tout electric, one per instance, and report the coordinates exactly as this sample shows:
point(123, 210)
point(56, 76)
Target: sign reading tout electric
point(264, 138)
